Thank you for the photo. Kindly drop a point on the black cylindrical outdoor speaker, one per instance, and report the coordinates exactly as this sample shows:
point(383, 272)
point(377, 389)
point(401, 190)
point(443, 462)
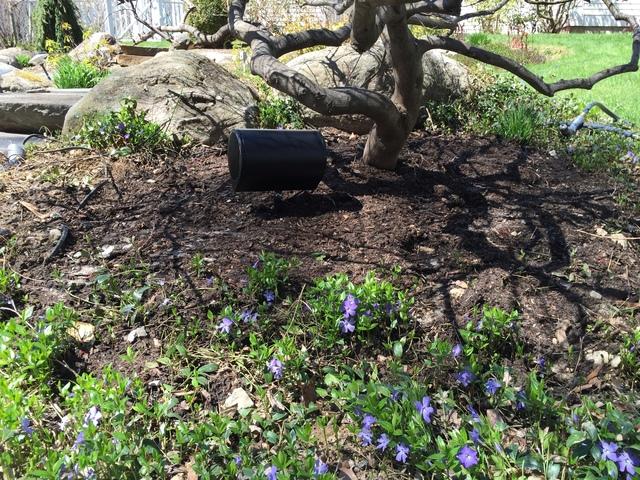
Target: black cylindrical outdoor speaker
point(264, 160)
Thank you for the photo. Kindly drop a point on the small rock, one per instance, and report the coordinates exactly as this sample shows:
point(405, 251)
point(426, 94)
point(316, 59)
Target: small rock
point(238, 400)
point(106, 252)
point(54, 235)
point(82, 332)
point(135, 334)
point(598, 357)
point(4, 235)
point(595, 295)
point(615, 361)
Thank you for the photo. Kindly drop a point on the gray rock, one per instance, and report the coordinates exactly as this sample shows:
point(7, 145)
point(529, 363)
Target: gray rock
point(30, 112)
point(444, 78)
point(186, 92)
point(8, 55)
point(24, 81)
point(6, 68)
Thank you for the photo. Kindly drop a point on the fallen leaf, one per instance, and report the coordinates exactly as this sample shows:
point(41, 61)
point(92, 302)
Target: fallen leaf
point(135, 334)
point(238, 400)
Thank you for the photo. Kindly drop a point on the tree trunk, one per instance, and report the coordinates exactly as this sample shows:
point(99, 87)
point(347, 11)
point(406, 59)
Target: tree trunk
point(384, 144)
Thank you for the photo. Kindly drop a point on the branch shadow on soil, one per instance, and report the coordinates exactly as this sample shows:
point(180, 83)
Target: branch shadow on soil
point(477, 193)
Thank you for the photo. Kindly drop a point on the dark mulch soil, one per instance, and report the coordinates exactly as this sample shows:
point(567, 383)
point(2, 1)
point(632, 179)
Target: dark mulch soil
point(475, 221)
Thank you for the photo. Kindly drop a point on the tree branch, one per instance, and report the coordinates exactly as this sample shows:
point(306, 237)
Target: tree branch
point(310, 38)
point(339, 6)
point(417, 17)
point(445, 43)
point(327, 101)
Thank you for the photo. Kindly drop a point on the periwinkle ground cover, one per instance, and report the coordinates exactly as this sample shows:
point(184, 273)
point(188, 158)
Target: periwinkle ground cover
point(461, 408)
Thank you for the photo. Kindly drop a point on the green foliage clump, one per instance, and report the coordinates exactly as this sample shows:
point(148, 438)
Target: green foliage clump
point(9, 281)
point(275, 111)
point(23, 60)
point(375, 312)
point(208, 15)
point(504, 107)
point(56, 21)
point(520, 124)
point(478, 39)
point(77, 74)
point(125, 131)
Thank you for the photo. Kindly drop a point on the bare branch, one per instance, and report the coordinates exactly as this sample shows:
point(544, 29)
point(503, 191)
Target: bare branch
point(365, 29)
point(214, 40)
point(310, 38)
point(548, 2)
point(339, 6)
point(139, 19)
point(448, 21)
point(527, 75)
point(327, 101)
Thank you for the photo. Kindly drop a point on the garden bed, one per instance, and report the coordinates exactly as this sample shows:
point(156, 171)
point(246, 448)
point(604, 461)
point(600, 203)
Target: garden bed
point(464, 223)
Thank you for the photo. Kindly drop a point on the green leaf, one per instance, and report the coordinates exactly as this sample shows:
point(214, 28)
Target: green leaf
point(397, 349)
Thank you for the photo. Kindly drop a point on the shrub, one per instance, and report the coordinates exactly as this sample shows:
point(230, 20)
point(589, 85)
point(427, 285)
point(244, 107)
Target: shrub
point(520, 124)
point(275, 111)
point(208, 15)
point(73, 74)
point(56, 21)
point(126, 131)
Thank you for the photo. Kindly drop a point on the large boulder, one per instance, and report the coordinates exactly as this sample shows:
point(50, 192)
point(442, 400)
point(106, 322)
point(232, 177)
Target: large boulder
point(188, 93)
point(444, 78)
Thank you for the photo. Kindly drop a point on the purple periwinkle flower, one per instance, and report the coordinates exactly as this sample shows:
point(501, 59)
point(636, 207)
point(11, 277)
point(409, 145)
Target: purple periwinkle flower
point(92, 416)
point(319, 467)
point(248, 316)
point(492, 386)
point(269, 296)
point(79, 441)
point(402, 453)
point(25, 426)
point(521, 398)
point(369, 421)
point(540, 362)
point(121, 127)
point(467, 456)
point(465, 377)
point(425, 409)
point(475, 436)
point(237, 460)
point(626, 464)
point(271, 473)
point(225, 325)
point(350, 306)
point(347, 325)
point(89, 474)
point(474, 413)
point(456, 351)
point(276, 367)
point(383, 442)
point(365, 436)
point(608, 450)
point(395, 394)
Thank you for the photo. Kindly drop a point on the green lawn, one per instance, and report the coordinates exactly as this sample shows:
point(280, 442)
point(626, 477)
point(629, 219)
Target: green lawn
point(582, 54)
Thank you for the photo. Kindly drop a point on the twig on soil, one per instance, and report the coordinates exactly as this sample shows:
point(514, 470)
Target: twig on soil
point(109, 175)
point(32, 208)
point(88, 196)
point(65, 149)
point(61, 241)
point(606, 236)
